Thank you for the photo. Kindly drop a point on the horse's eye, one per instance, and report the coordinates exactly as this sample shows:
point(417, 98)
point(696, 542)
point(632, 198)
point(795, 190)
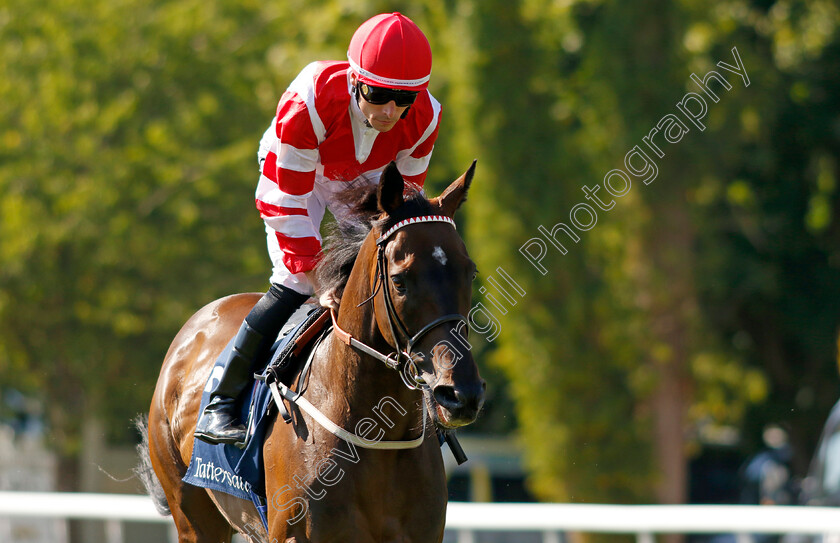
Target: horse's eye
point(399, 283)
point(474, 274)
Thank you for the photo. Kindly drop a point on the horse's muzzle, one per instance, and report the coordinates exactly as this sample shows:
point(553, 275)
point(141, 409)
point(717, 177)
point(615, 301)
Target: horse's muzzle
point(459, 406)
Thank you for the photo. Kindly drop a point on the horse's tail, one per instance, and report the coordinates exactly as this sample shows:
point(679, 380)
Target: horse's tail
point(144, 469)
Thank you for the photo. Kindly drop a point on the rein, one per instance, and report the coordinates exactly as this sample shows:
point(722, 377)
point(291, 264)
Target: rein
point(279, 391)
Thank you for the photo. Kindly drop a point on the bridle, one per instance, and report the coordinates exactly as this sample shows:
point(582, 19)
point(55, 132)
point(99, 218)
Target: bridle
point(402, 359)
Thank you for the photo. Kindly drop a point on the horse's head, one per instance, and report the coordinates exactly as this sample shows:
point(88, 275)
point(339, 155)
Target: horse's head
point(422, 283)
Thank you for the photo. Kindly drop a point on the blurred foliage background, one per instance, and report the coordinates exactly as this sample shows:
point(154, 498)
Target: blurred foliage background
point(708, 298)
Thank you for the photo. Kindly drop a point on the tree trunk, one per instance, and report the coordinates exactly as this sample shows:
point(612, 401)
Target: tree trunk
point(670, 407)
point(673, 309)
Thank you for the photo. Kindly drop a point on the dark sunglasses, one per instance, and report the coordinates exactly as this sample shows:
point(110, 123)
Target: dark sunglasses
point(380, 95)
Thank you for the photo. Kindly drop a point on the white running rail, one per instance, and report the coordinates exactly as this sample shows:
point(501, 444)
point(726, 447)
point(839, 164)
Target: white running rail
point(466, 519)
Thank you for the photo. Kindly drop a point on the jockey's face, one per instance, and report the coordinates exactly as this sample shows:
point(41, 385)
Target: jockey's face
point(382, 117)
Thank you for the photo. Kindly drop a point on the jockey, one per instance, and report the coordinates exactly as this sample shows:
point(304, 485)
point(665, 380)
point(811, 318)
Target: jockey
point(337, 122)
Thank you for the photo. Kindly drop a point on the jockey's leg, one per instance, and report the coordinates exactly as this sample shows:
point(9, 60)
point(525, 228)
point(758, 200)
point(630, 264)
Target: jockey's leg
point(219, 422)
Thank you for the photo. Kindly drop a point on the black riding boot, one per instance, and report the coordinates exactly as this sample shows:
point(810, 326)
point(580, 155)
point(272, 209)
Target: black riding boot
point(219, 422)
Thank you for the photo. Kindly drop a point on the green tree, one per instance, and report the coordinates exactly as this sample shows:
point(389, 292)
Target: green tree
point(769, 272)
point(622, 354)
point(127, 171)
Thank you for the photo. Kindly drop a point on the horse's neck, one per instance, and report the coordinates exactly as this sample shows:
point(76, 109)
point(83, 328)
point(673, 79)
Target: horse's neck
point(370, 387)
point(364, 388)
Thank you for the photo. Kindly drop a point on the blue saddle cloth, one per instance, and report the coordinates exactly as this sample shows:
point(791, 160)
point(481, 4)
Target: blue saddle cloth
point(217, 467)
point(226, 468)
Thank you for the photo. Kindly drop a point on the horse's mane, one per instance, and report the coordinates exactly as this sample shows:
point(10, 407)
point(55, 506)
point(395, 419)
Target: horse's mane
point(344, 239)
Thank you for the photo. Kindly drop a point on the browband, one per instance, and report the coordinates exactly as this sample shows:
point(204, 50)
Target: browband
point(414, 220)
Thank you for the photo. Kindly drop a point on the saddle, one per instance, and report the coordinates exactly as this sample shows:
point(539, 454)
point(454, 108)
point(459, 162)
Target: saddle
point(293, 352)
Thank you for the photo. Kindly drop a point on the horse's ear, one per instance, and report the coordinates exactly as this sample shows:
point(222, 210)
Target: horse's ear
point(389, 195)
point(456, 193)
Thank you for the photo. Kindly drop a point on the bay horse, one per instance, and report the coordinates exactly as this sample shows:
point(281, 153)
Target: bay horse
point(404, 285)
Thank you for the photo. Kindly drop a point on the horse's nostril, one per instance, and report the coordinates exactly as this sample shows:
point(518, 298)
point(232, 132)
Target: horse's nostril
point(446, 396)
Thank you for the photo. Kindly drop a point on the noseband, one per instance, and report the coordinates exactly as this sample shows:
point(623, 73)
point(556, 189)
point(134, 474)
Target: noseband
point(402, 359)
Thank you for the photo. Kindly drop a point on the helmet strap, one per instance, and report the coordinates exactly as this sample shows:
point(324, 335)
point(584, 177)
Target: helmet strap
point(354, 90)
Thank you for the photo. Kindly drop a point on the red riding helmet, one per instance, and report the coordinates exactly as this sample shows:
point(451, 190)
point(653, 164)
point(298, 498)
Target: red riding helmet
point(390, 51)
